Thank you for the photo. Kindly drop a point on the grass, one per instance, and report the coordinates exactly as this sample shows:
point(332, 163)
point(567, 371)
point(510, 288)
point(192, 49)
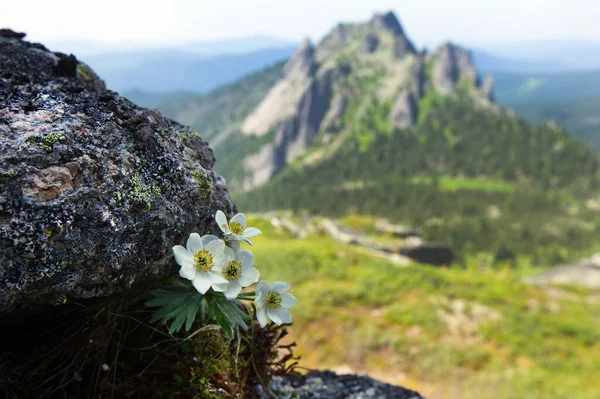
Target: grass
point(477, 331)
point(452, 184)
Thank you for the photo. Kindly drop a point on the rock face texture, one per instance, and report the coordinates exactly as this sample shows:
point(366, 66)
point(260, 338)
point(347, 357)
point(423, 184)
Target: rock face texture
point(328, 385)
point(404, 112)
point(295, 130)
point(94, 191)
point(451, 64)
point(333, 89)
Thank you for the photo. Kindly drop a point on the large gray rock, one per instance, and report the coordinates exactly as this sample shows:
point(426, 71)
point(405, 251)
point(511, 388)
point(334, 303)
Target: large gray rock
point(585, 273)
point(328, 385)
point(430, 253)
point(94, 191)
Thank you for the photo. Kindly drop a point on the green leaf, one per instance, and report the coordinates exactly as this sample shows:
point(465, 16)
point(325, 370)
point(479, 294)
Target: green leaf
point(193, 307)
point(226, 314)
point(179, 304)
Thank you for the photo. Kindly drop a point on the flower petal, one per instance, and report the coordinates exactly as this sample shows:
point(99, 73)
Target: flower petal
point(288, 300)
point(233, 290)
point(245, 258)
point(239, 218)
point(249, 277)
point(238, 238)
point(261, 288)
point(182, 256)
point(251, 232)
point(234, 245)
point(221, 220)
point(216, 247)
point(201, 282)
point(261, 316)
point(188, 271)
point(194, 243)
point(217, 277)
point(273, 315)
point(208, 238)
point(283, 315)
point(220, 287)
point(279, 286)
point(229, 252)
point(220, 261)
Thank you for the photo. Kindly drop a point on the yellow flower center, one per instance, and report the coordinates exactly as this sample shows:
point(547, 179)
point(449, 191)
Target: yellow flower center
point(273, 300)
point(204, 260)
point(233, 271)
point(236, 228)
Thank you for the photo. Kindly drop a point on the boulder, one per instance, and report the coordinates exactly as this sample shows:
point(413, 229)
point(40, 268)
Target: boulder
point(385, 227)
point(585, 273)
point(430, 253)
point(328, 385)
point(94, 191)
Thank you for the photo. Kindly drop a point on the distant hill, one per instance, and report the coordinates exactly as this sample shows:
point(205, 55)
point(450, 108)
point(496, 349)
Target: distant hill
point(513, 88)
point(168, 71)
point(571, 54)
point(209, 48)
point(487, 62)
point(580, 116)
point(218, 113)
point(572, 99)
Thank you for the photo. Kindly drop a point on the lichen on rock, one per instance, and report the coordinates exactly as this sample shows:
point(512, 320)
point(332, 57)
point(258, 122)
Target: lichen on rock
point(94, 191)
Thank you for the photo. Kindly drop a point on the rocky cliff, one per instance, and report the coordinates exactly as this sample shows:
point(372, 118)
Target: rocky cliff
point(94, 191)
point(369, 62)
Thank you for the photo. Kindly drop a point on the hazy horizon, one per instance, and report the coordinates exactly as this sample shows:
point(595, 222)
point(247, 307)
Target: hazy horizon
point(427, 23)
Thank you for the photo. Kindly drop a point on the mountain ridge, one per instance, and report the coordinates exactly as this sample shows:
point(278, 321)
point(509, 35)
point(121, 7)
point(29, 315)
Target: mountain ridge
point(364, 122)
point(321, 81)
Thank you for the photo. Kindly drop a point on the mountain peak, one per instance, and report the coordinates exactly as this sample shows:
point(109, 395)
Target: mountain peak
point(303, 59)
point(388, 21)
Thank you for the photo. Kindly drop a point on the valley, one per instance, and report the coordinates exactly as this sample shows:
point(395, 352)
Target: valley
point(470, 331)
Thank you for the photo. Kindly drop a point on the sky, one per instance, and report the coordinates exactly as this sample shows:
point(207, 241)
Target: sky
point(427, 22)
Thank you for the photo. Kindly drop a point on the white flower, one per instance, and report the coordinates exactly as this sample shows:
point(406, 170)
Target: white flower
point(273, 303)
point(202, 262)
point(239, 272)
point(236, 229)
point(235, 246)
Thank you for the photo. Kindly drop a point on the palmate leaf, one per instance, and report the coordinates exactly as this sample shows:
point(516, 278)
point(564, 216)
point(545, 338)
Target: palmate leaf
point(180, 304)
point(226, 314)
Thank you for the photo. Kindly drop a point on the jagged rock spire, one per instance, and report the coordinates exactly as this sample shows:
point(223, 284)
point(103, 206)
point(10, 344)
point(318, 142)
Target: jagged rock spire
point(452, 62)
point(388, 21)
point(303, 59)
